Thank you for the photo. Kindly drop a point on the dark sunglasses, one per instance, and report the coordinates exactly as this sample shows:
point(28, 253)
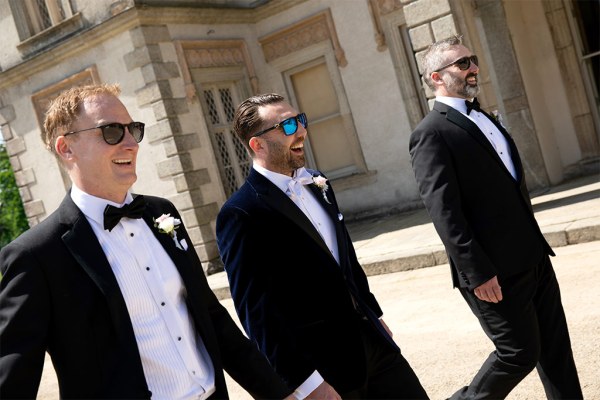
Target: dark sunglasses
point(289, 126)
point(115, 132)
point(462, 63)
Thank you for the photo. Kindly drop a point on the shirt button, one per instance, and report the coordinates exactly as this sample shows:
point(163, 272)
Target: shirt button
point(162, 304)
point(147, 268)
point(179, 338)
point(132, 234)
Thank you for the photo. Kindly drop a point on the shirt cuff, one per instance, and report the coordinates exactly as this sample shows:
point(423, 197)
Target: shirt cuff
point(307, 387)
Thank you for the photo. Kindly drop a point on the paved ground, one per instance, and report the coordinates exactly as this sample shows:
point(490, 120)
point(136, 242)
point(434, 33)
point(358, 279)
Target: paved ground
point(437, 333)
point(444, 343)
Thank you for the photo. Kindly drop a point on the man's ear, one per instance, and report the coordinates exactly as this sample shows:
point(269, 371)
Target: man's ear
point(256, 145)
point(436, 78)
point(63, 148)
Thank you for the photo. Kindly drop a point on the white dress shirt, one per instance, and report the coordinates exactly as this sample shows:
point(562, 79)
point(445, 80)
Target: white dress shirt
point(175, 362)
point(490, 131)
point(310, 206)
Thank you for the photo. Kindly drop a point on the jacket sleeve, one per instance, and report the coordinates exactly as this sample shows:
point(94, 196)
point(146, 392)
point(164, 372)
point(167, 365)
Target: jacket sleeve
point(439, 187)
point(24, 319)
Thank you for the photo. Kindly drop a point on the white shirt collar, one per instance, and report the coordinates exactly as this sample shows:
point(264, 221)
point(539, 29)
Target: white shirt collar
point(457, 103)
point(279, 180)
point(92, 206)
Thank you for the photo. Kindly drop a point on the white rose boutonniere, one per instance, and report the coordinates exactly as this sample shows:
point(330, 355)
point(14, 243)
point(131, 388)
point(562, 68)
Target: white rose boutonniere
point(498, 117)
point(321, 183)
point(167, 224)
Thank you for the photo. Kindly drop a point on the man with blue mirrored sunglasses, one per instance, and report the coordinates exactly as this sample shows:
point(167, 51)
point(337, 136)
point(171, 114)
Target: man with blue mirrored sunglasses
point(311, 313)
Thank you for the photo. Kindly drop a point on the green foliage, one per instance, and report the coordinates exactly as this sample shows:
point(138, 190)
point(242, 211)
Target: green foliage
point(13, 221)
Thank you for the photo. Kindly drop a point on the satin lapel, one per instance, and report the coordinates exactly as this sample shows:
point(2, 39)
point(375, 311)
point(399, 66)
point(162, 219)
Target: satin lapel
point(83, 245)
point(458, 119)
point(472, 129)
point(334, 214)
point(514, 153)
point(280, 202)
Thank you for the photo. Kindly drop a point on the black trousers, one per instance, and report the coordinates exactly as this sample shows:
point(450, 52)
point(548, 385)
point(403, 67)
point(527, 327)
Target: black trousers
point(389, 374)
point(529, 330)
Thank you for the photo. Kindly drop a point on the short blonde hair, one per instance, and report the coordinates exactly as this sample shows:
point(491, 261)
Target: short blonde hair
point(64, 109)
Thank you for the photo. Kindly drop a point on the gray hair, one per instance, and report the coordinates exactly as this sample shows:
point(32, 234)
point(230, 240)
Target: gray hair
point(433, 57)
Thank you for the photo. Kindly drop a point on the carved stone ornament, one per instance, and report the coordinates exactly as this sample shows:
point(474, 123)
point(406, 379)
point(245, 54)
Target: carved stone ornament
point(212, 54)
point(312, 30)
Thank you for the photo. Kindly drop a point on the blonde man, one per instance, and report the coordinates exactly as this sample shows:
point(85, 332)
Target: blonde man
point(119, 301)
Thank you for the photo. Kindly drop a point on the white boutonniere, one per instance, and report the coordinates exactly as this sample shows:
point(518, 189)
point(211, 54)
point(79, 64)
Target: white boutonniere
point(498, 117)
point(321, 183)
point(167, 224)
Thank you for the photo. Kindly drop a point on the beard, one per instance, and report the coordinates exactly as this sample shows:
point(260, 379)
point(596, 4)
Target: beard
point(281, 158)
point(458, 85)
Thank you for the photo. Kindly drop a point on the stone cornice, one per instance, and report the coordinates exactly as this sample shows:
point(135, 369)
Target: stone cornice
point(127, 20)
point(69, 48)
point(201, 15)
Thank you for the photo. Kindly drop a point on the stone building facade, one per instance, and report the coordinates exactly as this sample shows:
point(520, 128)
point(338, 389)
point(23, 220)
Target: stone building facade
point(351, 65)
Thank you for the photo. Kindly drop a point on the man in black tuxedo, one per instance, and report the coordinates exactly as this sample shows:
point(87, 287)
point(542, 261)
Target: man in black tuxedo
point(311, 312)
point(471, 180)
point(116, 296)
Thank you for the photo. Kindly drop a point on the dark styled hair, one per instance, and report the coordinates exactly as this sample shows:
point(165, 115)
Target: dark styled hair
point(247, 120)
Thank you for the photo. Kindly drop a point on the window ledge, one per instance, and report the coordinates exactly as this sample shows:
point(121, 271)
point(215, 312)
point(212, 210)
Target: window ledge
point(50, 35)
point(353, 181)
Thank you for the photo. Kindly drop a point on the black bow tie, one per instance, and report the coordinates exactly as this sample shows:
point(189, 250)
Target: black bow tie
point(112, 215)
point(472, 105)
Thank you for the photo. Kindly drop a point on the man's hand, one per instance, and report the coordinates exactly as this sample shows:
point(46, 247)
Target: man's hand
point(490, 291)
point(324, 391)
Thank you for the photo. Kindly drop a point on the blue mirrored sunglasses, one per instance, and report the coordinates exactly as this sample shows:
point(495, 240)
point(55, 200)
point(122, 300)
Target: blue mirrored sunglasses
point(289, 126)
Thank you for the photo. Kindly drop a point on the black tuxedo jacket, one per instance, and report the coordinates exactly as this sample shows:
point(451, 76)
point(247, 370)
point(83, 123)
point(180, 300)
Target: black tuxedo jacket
point(297, 307)
point(59, 294)
point(482, 214)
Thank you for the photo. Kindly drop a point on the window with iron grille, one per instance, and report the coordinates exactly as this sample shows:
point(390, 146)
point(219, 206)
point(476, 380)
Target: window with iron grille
point(234, 163)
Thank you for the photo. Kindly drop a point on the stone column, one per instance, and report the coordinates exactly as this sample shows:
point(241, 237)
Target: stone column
point(196, 212)
point(24, 177)
point(508, 84)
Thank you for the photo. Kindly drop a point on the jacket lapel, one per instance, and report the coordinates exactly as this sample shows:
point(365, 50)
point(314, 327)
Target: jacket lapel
point(280, 202)
point(514, 153)
point(457, 118)
point(83, 245)
point(333, 212)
